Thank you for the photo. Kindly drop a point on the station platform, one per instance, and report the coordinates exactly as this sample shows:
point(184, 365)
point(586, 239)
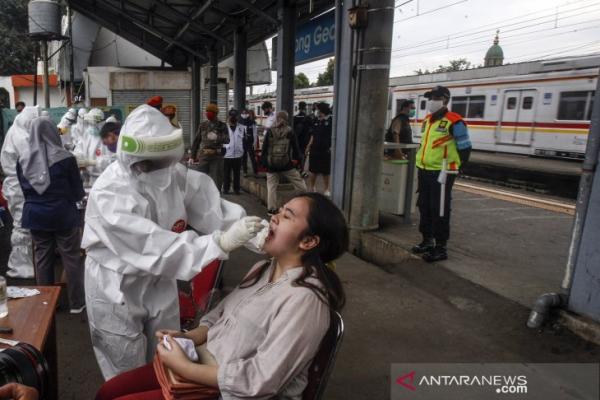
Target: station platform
point(514, 250)
point(407, 312)
point(536, 174)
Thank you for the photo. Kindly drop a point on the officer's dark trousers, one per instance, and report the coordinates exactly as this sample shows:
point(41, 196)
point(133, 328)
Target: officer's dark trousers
point(431, 225)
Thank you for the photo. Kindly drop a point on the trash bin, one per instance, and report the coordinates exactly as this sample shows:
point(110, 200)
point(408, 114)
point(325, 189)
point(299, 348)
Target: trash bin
point(392, 196)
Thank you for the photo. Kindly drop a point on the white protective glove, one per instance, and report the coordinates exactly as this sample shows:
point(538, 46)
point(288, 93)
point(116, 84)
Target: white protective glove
point(211, 136)
point(239, 233)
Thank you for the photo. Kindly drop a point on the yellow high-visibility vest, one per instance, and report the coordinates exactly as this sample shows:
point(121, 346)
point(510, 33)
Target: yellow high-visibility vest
point(438, 143)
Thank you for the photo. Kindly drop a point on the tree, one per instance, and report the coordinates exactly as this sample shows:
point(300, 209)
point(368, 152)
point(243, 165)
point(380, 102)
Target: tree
point(326, 78)
point(16, 48)
point(453, 65)
point(301, 81)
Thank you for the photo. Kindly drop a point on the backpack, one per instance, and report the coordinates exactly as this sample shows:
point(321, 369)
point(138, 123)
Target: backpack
point(278, 156)
point(389, 134)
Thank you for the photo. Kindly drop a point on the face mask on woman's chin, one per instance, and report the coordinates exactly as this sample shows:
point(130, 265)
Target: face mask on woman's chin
point(435, 105)
point(159, 178)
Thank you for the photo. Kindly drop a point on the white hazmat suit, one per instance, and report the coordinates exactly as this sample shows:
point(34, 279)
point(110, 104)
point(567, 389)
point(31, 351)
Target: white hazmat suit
point(20, 263)
point(90, 152)
point(136, 241)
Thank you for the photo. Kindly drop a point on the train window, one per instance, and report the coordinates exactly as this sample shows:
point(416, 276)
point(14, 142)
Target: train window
point(476, 107)
point(511, 104)
point(527, 103)
point(575, 105)
point(258, 110)
point(423, 104)
point(469, 106)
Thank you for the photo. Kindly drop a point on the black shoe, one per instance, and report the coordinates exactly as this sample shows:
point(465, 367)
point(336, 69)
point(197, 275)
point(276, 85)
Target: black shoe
point(226, 192)
point(438, 253)
point(237, 193)
point(423, 247)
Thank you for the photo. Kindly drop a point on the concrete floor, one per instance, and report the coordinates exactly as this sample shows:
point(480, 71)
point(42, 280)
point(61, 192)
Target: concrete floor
point(411, 312)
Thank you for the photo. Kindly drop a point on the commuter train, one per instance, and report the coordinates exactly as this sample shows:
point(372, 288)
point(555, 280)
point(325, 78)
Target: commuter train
point(534, 108)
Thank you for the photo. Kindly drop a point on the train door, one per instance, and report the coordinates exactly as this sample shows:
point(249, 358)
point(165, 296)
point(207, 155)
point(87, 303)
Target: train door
point(518, 116)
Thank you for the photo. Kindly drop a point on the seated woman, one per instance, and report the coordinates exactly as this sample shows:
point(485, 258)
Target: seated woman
point(264, 335)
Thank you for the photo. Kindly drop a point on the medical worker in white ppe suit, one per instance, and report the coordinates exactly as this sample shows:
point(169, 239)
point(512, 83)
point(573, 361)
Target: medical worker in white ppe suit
point(136, 241)
point(20, 262)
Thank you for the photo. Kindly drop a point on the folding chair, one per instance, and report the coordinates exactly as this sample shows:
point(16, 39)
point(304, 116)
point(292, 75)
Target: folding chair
point(322, 366)
point(203, 288)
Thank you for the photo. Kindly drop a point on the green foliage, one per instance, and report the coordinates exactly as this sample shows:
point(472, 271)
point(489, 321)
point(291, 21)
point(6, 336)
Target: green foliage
point(326, 78)
point(453, 65)
point(301, 81)
point(16, 49)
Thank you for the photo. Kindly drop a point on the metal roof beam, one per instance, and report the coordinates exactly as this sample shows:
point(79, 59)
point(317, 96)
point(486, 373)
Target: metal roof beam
point(192, 23)
point(257, 11)
point(153, 31)
point(114, 27)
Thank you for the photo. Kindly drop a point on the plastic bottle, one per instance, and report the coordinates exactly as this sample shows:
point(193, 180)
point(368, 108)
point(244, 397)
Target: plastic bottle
point(3, 298)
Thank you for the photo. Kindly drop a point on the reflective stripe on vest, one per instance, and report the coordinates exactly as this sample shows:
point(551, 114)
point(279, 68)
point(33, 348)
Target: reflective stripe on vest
point(436, 142)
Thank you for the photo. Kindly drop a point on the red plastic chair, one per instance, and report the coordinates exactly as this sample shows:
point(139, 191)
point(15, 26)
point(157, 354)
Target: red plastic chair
point(322, 366)
point(203, 287)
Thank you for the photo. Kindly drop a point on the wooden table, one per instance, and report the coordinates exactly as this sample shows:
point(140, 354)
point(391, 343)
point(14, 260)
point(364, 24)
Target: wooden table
point(32, 321)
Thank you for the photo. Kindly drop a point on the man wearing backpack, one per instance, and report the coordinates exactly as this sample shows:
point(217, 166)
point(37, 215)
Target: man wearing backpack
point(280, 153)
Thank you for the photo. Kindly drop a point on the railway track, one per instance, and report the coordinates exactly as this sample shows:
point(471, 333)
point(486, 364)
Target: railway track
point(532, 201)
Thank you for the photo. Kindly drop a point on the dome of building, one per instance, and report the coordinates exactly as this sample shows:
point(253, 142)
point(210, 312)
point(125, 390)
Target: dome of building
point(495, 54)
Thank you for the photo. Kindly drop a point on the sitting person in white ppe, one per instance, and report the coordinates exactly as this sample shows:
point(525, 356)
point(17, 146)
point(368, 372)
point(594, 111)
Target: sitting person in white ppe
point(90, 152)
point(137, 244)
point(261, 339)
point(20, 262)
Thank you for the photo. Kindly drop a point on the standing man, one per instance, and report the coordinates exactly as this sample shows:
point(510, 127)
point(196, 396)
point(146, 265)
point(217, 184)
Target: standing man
point(208, 145)
point(250, 140)
point(280, 154)
point(445, 146)
point(234, 150)
point(302, 124)
point(400, 130)
point(267, 108)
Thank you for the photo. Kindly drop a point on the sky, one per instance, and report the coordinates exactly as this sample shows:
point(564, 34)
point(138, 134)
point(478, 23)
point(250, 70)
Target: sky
point(428, 33)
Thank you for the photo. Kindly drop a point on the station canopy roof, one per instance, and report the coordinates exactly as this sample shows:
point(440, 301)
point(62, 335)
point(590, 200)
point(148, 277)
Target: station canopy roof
point(177, 30)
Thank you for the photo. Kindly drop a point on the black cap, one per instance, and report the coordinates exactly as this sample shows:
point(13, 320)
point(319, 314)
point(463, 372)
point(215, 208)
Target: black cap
point(441, 91)
point(302, 105)
point(324, 108)
point(266, 104)
point(233, 112)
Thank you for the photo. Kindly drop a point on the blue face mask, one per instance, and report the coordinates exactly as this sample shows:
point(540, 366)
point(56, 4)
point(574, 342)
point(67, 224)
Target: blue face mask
point(412, 113)
point(92, 131)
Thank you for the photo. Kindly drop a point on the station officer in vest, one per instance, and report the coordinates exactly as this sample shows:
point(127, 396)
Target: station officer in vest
point(445, 147)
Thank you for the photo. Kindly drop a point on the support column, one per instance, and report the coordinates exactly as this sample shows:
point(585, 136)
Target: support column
point(45, 85)
point(196, 111)
point(372, 69)
point(240, 52)
point(342, 117)
point(214, 77)
point(286, 38)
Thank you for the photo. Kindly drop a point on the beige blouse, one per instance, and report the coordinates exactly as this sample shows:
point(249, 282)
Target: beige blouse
point(264, 337)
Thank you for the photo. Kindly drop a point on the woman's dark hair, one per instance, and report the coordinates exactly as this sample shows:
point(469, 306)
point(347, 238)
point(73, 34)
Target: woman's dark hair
point(327, 222)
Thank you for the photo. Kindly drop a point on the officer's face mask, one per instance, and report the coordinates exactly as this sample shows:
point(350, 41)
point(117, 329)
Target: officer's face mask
point(435, 105)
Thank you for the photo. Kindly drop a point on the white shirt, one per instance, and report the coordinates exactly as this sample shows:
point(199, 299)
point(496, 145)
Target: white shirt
point(270, 121)
point(235, 147)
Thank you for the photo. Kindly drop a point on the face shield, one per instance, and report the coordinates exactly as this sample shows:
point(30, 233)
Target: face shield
point(149, 147)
